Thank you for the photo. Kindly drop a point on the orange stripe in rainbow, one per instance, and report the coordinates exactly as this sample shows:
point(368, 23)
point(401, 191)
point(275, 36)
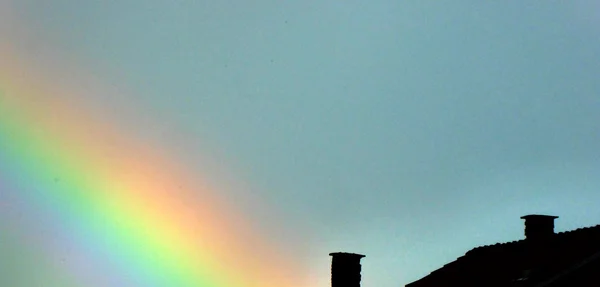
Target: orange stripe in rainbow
point(121, 201)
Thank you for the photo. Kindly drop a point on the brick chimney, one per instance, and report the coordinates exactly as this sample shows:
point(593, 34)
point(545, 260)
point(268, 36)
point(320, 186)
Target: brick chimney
point(539, 226)
point(345, 269)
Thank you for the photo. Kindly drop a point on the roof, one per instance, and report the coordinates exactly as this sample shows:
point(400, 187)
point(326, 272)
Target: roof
point(575, 272)
point(527, 262)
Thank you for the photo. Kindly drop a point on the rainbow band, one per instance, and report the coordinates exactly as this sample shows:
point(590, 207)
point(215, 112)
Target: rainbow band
point(115, 202)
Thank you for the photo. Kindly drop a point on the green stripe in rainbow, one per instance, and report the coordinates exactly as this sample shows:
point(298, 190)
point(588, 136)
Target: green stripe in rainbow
point(128, 208)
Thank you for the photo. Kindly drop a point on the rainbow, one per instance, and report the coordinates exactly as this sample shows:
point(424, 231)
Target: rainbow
point(109, 211)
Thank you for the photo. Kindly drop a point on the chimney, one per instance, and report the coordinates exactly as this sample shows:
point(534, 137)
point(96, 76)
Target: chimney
point(345, 269)
point(539, 226)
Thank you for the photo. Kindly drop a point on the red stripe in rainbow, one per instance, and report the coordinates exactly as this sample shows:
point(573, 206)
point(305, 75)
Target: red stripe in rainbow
point(124, 206)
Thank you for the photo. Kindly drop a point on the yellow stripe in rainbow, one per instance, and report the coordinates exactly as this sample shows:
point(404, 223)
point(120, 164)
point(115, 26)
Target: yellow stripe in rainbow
point(121, 202)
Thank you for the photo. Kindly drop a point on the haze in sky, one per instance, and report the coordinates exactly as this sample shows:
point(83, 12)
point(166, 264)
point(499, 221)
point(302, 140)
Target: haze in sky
point(408, 131)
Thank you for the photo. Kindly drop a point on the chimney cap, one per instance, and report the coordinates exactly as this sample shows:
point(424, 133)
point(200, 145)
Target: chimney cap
point(347, 255)
point(538, 216)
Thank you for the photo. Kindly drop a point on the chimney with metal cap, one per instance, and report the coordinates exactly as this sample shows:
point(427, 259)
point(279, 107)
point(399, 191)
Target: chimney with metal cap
point(345, 269)
point(539, 226)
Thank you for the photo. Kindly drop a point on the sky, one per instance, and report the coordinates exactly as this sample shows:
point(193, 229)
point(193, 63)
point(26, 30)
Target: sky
point(407, 131)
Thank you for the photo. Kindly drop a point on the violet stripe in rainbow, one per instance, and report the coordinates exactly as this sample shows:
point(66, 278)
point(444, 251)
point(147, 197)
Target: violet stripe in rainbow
point(119, 208)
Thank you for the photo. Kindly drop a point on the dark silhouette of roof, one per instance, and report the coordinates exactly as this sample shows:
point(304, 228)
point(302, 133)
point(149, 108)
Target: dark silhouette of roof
point(542, 259)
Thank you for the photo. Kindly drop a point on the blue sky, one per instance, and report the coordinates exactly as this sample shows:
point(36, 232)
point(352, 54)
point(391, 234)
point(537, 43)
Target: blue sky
point(409, 131)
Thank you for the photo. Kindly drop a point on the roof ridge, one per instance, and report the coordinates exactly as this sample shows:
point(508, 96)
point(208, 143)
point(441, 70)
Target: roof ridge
point(521, 240)
point(495, 244)
point(580, 228)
